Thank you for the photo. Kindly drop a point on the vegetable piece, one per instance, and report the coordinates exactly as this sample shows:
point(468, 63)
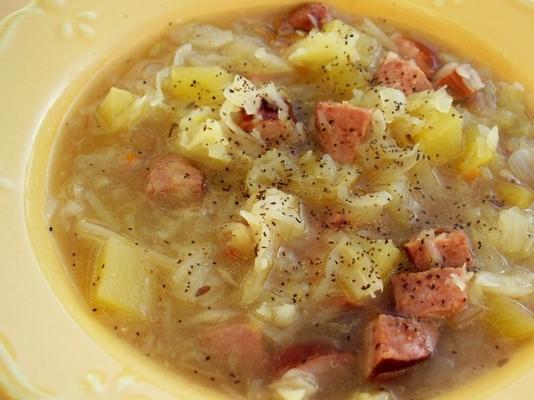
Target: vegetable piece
point(317, 49)
point(360, 265)
point(200, 85)
point(384, 256)
point(122, 279)
point(392, 102)
point(441, 135)
point(378, 395)
point(341, 127)
point(396, 343)
point(512, 101)
point(509, 318)
point(279, 315)
point(122, 110)
point(113, 111)
point(514, 194)
point(307, 17)
point(295, 385)
point(356, 276)
point(521, 164)
point(480, 147)
point(403, 75)
point(516, 283)
point(437, 292)
point(462, 80)
point(274, 218)
point(237, 240)
point(513, 236)
point(202, 138)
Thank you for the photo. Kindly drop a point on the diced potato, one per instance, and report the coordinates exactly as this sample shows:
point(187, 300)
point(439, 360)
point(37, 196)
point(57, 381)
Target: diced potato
point(200, 85)
point(114, 109)
point(348, 38)
point(429, 100)
point(356, 273)
point(341, 77)
point(316, 50)
point(121, 110)
point(480, 147)
point(122, 279)
point(514, 194)
point(441, 136)
point(384, 256)
point(202, 138)
point(336, 42)
point(509, 318)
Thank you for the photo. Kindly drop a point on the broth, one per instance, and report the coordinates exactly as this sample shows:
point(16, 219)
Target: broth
point(253, 234)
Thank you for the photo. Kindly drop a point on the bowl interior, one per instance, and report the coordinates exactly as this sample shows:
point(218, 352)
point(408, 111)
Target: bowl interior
point(460, 26)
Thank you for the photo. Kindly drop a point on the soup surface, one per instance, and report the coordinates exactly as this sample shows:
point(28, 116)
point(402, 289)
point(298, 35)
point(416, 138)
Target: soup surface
point(300, 205)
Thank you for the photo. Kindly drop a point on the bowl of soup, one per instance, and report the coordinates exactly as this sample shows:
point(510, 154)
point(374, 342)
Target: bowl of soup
point(293, 201)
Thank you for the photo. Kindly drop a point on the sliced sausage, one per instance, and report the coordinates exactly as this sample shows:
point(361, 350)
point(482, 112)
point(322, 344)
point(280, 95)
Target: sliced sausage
point(437, 292)
point(395, 343)
point(238, 345)
point(267, 122)
point(424, 56)
point(173, 175)
point(297, 354)
point(462, 80)
point(307, 17)
point(341, 128)
point(319, 359)
point(439, 248)
point(401, 74)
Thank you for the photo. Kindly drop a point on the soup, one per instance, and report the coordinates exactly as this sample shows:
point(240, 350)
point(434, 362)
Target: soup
point(300, 205)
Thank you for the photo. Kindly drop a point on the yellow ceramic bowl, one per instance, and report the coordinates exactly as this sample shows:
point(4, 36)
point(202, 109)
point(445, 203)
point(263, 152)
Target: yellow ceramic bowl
point(50, 346)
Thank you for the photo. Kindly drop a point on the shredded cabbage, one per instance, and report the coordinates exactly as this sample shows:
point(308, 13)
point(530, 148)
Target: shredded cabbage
point(516, 283)
point(274, 218)
point(295, 384)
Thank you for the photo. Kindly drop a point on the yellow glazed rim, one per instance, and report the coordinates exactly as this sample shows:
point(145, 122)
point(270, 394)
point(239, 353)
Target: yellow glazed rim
point(50, 346)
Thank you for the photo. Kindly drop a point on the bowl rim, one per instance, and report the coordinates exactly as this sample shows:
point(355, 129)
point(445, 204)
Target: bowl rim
point(72, 35)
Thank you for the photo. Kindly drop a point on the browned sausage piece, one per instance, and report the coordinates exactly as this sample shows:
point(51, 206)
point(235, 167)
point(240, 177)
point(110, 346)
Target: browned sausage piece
point(297, 354)
point(239, 345)
point(341, 128)
point(403, 75)
point(462, 80)
point(173, 175)
point(424, 56)
point(267, 122)
point(396, 343)
point(439, 248)
point(431, 293)
point(308, 16)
